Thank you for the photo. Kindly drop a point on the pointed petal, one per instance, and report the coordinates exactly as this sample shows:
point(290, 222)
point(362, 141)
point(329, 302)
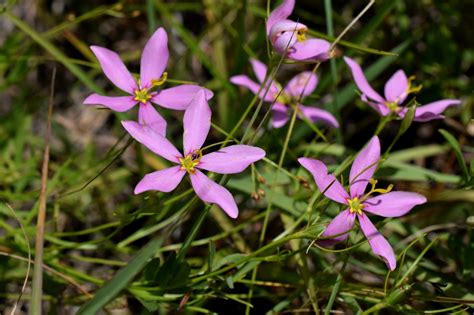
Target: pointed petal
point(313, 48)
point(115, 103)
point(196, 123)
point(302, 84)
point(380, 108)
point(114, 69)
point(361, 81)
point(280, 13)
point(179, 97)
point(164, 180)
point(212, 192)
point(396, 87)
point(284, 43)
point(315, 114)
point(147, 115)
point(245, 81)
point(364, 166)
point(152, 140)
point(379, 244)
point(280, 115)
point(260, 71)
point(327, 183)
point(393, 204)
point(433, 110)
point(339, 227)
point(154, 58)
point(232, 159)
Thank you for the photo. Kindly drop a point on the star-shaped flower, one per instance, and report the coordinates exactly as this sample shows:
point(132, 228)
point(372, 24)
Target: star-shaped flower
point(303, 84)
point(229, 160)
point(289, 37)
point(143, 90)
point(397, 88)
point(388, 204)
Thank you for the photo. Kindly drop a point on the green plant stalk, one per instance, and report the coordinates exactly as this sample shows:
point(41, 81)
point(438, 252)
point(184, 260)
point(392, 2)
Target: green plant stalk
point(335, 289)
point(192, 234)
point(270, 199)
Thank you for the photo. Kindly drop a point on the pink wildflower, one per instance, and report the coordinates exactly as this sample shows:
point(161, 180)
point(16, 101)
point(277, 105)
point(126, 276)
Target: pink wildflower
point(153, 63)
point(387, 204)
point(397, 88)
point(229, 160)
point(302, 84)
point(289, 36)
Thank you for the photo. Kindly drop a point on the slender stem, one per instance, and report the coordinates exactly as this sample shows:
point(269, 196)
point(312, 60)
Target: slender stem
point(192, 234)
point(37, 285)
point(335, 290)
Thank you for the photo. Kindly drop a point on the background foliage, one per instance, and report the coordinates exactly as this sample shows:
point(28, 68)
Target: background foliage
point(95, 225)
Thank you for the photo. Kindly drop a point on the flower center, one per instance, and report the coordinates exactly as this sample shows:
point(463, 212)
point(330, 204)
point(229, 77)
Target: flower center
point(190, 161)
point(301, 35)
point(393, 106)
point(284, 98)
point(142, 95)
point(355, 205)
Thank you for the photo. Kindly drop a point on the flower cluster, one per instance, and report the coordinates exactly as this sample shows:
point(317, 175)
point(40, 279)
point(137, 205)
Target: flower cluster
point(288, 38)
point(150, 130)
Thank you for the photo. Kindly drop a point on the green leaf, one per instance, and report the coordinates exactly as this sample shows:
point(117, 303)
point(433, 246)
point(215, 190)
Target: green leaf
point(121, 279)
point(457, 150)
point(173, 273)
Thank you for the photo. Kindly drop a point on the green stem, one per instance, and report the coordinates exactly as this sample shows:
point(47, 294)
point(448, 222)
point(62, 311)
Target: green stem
point(192, 234)
point(335, 290)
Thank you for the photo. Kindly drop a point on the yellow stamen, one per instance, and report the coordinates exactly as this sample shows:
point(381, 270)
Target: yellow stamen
point(355, 205)
point(160, 81)
point(142, 96)
point(374, 182)
point(190, 161)
point(301, 35)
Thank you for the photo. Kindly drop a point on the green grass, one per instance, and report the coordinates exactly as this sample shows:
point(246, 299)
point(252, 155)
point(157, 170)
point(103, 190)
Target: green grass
point(106, 248)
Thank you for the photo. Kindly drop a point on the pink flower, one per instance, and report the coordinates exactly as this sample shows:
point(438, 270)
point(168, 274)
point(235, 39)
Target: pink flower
point(289, 36)
point(143, 90)
point(397, 88)
point(302, 84)
point(229, 160)
point(387, 204)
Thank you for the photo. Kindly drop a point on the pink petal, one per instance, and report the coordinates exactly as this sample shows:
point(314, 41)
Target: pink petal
point(196, 123)
point(280, 115)
point(284, 43)
point(114, 69)
point(147, 115)
point(179, 97)
point(361, 81)
point(393, 204)
point(152, 140)
point(245, 81)
point(338, 227)
point(364, 166)
point(260, 71)
point(327, 183)
point(154, 58)
point(380, 108)
point(232, 159)
point(302, 84)
point(315, 114)
point(212, 192)
point(280, 13)
point(164, 180)
point(396, 87)
point(313, 48)
point(433, 110)
point(115, 103)
point(379, 244)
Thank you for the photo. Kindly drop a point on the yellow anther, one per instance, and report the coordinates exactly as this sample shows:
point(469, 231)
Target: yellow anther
point(301, 35)
point(374, 182)
point(355, 205)
point(160, 81)
point(190, 161)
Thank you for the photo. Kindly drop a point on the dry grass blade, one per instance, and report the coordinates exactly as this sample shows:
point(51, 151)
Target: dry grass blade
point(37, 290)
